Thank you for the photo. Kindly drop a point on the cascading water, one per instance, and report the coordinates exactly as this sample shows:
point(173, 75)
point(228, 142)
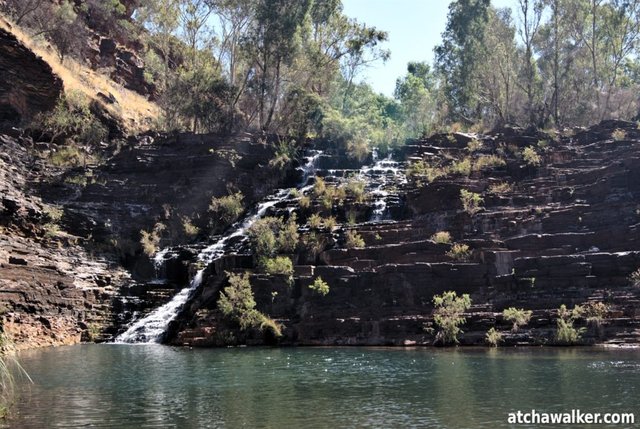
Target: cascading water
point(381, 176)
point(151, 328)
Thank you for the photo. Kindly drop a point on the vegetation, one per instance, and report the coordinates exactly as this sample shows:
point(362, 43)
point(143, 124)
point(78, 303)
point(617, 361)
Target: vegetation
point(493, 337)
point(279, 265)
point(238, 304)
point(471, 201)
point(459, 252)
point(353, 240)
point(441, 237)
point(448, 315)
point(150, 240)
point(618, 135)
point(595, 312)
point(517, 316)
point(319, 286)
point(500, 188)
point(189, 228)
point(71, 121)
point(531, 157)
point(634, 278)
point(228, 208)
point(566, 333)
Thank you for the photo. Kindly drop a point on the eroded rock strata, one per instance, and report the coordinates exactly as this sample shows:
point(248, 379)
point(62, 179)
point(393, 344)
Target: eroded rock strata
point(566, 232)
point(563, 232)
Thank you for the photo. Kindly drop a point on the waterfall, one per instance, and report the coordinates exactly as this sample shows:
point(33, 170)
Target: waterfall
point(380, 176)
point(151, 328)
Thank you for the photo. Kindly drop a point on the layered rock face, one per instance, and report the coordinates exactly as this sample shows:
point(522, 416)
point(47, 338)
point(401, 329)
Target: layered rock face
point(562, 232)
point(28, 85)
point(52, 291)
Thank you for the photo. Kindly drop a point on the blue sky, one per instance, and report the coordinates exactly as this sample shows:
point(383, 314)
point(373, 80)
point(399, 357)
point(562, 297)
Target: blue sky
point(414, 28)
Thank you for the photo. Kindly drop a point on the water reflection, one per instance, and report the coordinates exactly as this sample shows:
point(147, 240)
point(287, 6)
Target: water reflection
point(120, 386)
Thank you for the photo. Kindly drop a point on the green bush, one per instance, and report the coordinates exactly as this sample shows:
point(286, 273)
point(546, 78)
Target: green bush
point(517, 316)
point(353, 240)
point(228, 208)
point(237, 302)
point(595, 312)
point(531, 157)
point(618, 134)
point(474, 145)
point(441, 237)
point(263, 236)
point(304, 202)
point(459, 252)
point(288, 237)
point(315, 221)
point(319, 186)
point(488, 162)
point(500, 188)
point(471, 201)
point(448, 315)
point(356, 188)
point(634, 278)
point(417, 171)
point(189, 228)
point(285, 153)
point(313, 243)
point(72, 120)
point(319, 286)
point(462, 167)
point(493, 337)
point(150, 240)
point(279, 265)
point(566, 333)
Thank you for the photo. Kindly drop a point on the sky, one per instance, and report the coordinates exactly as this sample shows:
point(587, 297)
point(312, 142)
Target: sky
point(414, 28)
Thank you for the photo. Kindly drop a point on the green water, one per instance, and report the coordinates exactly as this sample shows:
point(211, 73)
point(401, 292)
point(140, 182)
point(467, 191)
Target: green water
point(126, 386)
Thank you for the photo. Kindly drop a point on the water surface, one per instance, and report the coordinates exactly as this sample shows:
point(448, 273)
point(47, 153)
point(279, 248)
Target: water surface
point(152, 386)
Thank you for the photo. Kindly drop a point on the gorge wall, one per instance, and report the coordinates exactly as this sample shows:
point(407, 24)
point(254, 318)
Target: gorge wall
point(562, 232)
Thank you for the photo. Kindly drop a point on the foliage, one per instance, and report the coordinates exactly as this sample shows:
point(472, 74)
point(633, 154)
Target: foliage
point(500, 188)
point(279, 265)
point(618, 134)
point(356, 188)
point(71, 120)
point(595, 312)
point(461, 167)
point(263, 236)
point(448, 315)
point(237, 302)
point(319, 286)
point(304, 202)
point(441, 237)
point(288, 237)
point(285, 153)
point(315, 221)
point(189, 228)
point(471, 201)
point(314, 243)
point(150, 240)
point(319, 186)
point(420, 170)
point(228, 208)
point(518, 316)
point(634, 278)
point(459, 252)
point(353, 240)
point(486, 162)
point(493, 337)
point(566, 333)
point(531, 157)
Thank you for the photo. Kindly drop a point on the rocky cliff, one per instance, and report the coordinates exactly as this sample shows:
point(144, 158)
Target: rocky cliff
point(561, 229)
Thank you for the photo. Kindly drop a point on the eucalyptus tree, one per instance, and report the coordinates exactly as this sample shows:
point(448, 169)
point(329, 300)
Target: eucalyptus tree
point(460, 54)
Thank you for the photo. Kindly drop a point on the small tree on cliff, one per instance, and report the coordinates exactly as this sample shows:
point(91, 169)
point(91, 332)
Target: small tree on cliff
point(448, 315)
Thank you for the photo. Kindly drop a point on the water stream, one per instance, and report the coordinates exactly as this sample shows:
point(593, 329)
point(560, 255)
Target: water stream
point(151, 328)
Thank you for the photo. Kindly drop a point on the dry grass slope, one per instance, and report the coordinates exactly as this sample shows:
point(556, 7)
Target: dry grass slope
point(137, 113)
